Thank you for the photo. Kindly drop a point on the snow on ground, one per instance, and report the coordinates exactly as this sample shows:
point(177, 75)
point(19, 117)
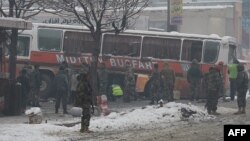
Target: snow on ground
point(32, 132)
point(248, 94)
point(140, 118)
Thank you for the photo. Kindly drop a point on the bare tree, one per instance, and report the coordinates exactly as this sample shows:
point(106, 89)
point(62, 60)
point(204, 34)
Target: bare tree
point(23, 9)
point(99, 16)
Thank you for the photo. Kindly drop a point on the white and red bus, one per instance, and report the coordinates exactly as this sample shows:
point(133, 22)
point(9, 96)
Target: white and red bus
point(48, 45)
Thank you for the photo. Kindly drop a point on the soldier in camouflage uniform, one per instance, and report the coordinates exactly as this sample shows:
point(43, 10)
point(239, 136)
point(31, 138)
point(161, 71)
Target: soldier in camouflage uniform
point(35, 83)
point(84, 100)
point(242, 87)
point(213, 84)
point(156, 85)
point(129, 88)
point(168, 77)
point(219, 68)
point(194, 76)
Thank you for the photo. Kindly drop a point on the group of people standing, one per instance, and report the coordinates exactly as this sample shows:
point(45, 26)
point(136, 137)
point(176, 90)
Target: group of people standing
point(30, 80)
point(238, 83)
point(213, 84)
point(78, 91)
point(162, 84)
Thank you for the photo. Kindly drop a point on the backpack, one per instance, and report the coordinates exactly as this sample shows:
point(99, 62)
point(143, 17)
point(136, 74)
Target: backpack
point(245, 79)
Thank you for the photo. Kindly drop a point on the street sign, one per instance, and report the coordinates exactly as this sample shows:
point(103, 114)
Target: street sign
point(176, 12)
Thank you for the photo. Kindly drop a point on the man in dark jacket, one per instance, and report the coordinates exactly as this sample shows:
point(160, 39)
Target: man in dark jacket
point(25, 88)
point(62, 87)
point(194, 76)
point(242, 87)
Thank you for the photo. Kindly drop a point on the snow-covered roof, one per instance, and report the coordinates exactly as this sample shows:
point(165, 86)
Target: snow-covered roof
point(9, 22)
point(190, 7)
point(62, 26)
point(174, 34)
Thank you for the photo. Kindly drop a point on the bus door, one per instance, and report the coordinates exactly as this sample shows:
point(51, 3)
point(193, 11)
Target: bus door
point(23, 51)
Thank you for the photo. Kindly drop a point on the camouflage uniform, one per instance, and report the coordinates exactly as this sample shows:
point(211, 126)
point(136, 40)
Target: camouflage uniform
point(219, 68)
point(35, 83)
point(156, 85)
point(84, 100)
point(242, 87)
point(168, 77)
point(194, 76)
point(129, 83)
point(213, 83)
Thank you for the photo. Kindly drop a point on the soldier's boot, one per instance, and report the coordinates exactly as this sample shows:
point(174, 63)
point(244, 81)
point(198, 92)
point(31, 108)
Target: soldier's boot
point(215, 113)
point(238, 112)
point(209, 112)
point(243, 110)
point(152, 102)
point(56, 111)
point(82, 130)
point(65, 109)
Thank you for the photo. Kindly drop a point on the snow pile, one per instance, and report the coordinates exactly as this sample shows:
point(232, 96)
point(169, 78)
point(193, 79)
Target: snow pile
point(248, 94)
point(35, 115)
point(33, 111)
point(147, 117)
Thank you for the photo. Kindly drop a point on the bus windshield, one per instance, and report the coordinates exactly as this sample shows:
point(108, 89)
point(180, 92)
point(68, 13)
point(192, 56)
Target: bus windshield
point(211, 51)
point(231, 53)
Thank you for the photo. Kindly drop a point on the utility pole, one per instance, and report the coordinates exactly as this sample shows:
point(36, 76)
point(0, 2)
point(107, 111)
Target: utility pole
point(168, 18)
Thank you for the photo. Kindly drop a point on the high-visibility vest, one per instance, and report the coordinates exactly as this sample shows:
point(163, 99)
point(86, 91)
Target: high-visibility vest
point(232, 71)
point(117, 91)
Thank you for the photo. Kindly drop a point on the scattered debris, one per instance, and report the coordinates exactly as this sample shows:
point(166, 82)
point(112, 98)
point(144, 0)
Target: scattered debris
point(186, 113)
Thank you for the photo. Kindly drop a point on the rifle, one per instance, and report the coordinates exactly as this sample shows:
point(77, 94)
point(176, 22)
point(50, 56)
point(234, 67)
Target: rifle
point(92, 106)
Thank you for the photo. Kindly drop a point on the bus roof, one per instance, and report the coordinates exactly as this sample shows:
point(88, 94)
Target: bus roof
point(174, 34)
point(61, 26)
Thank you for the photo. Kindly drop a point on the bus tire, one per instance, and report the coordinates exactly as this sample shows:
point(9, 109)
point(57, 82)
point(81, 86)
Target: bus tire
point(45, 86)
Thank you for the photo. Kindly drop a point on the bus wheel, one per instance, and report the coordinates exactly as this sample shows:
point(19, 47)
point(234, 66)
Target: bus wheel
point(45, 86)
